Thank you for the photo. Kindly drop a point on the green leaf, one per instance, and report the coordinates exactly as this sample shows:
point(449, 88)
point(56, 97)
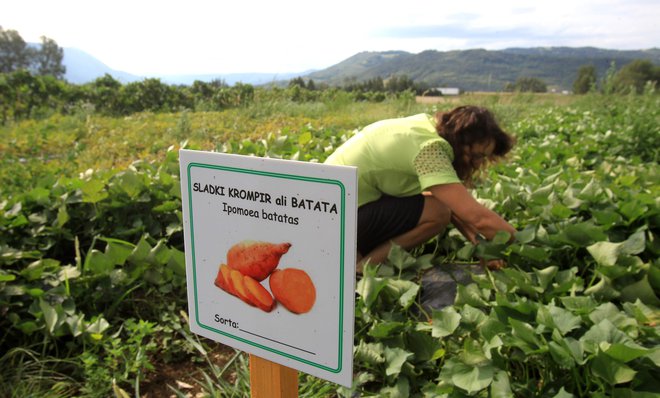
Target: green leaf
point(563, 394)
point(491, 328)
point(473, 352)
point(403, 291)
point(51, 318)
point(470, 378)
point(371, 353)
point(607, 218)
point(304, 138)
point(470, 294)
point(605, 253)
point(423, 346)
point(117, 251)
point(633, 210)
point(560, 211)
point(395, 358)
point(97, 326)
point(140, 252)
point(591, 190)
point(28, 327)
point(603, 290)
point(582, 234)
point(526, 333)
point(400, 390)
point(177, 262)
point(572, 346)
point(501, 387)
point(472, 316)
point(526, 235)
point(546, 275)
point(559, 318)
point(610, 370)
point(635, 244)
point(62, 216)
point(537, 254)
point(67, 272)
point(579, 304)
point(385, 329)
point(130, 183)
point(611, 313)
point(369, 288)
point(626, 352)
point(641, 290)
point(603, 332)
point(160, 254)
point(561, 355)
point(93, 191)
point(445, 322)
point(641, 312)
point(98, 263)
point(400, 259)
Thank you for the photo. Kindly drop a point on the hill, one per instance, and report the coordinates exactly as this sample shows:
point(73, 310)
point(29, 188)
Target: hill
point(81, 67)
point(481, 70)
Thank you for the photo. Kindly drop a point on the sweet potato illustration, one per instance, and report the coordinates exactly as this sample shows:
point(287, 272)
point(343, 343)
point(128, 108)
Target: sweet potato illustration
point(256, 259)
point(294, 289)
point(238, 284)
point(223, 280)
point(258, 294)
point(220, 280)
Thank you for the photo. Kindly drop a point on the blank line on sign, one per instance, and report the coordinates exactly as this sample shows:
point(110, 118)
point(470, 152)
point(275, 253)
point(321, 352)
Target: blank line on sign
point(278, 342)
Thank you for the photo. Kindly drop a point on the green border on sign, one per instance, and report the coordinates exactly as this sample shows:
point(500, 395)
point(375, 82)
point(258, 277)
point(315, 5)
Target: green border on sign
point(341, 250)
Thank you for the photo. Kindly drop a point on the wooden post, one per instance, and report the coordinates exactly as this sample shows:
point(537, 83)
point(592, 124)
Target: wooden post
point(272, 380)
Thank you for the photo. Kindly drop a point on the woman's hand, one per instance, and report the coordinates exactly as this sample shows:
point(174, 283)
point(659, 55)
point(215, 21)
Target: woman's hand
point(493, 265)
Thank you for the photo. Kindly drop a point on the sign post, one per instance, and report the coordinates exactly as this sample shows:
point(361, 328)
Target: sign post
point(270, 262)
point(271, 380)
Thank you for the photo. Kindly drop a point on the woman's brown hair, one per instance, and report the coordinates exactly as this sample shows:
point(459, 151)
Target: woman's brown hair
point(468, 125)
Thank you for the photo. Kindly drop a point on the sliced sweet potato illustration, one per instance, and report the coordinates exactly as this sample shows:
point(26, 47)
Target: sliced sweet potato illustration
point(256, 259)
point(226, 272)
point(294, 289)
point(238, 285)
point(220, 280)
point(258, 294)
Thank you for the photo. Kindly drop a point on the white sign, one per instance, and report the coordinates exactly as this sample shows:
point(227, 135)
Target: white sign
point(270, 258)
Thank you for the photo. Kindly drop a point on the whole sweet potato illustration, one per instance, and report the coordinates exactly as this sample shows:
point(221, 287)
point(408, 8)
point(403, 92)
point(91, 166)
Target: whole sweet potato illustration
point(256, 259)
point(294, 289)
point(258, 294)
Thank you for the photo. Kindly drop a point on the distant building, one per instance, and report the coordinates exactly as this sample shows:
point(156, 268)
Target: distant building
point(448, 90)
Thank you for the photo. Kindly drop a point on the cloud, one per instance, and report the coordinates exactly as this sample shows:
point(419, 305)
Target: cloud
point(460, 32)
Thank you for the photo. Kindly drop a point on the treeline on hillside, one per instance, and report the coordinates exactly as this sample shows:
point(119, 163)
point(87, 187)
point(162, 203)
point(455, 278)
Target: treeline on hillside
point(25, 95)
point(31, 84)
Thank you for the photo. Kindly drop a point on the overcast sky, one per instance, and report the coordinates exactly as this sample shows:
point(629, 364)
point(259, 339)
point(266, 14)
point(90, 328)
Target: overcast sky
point(196, 36)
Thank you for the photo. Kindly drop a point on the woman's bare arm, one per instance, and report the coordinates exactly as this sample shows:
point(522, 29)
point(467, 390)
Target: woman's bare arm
point(472, 216)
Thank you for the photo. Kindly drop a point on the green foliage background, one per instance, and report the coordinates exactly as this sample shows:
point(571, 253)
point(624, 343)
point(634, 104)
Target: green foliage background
point(92, 274)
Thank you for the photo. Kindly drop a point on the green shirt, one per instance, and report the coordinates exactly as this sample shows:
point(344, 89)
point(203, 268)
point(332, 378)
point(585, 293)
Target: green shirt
point(398, 157)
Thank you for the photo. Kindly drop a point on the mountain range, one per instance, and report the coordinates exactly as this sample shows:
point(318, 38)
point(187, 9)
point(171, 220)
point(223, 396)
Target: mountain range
point(469, 70)
point(81, 68)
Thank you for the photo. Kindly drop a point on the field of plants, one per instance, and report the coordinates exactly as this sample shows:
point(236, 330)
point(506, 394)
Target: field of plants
point(92, 273)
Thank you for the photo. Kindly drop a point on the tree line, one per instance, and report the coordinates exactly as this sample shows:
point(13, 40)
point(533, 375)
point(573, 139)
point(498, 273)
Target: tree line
point(16, 54)
point(32, 83)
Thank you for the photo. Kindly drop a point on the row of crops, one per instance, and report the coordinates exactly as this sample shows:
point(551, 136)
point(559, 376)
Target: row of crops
point(92, 273)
